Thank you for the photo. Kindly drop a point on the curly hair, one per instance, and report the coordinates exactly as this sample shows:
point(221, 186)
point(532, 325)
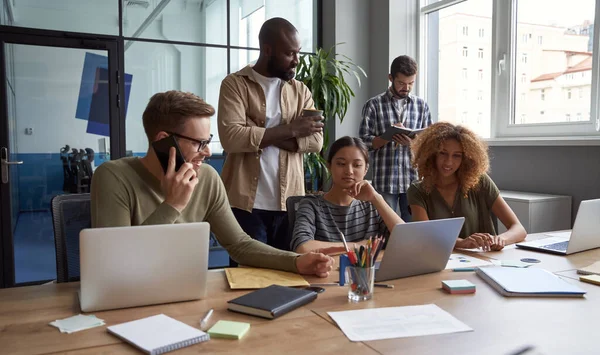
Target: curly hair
point(426, 145)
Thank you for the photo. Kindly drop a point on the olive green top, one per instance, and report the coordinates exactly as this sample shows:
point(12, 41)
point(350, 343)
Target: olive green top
point(476, 206)
point(125, 193)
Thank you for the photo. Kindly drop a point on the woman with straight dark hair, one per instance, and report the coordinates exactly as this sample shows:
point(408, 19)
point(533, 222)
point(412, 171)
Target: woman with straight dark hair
point(352, 207)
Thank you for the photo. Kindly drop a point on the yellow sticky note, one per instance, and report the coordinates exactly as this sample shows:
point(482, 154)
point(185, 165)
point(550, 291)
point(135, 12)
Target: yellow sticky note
point(593, 279)
point(254, 278)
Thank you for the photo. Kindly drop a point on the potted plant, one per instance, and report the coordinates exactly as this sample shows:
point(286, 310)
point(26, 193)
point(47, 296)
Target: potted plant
point(324, 75)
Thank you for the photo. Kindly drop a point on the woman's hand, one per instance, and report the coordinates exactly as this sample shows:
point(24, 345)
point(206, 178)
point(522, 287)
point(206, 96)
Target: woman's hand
point(362, 191)
point(478, 240)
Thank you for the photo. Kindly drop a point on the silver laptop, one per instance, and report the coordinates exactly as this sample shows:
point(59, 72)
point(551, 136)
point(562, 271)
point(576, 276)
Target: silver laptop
point(418, 248)
point(584, 236)
point(137, 266)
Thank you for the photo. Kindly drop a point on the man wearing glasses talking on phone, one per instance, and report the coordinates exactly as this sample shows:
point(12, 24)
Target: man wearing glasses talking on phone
point(151, 190)
point(267, 122)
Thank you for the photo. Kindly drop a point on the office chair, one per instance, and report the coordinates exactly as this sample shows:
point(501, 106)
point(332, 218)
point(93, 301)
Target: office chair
point(291, 204)
point(70, 214)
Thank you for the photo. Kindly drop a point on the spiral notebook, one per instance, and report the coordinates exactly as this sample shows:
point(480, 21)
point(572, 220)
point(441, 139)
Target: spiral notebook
point(158, 334)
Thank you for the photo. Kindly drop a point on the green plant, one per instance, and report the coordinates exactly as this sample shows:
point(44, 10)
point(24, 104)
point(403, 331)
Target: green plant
point(325, 75)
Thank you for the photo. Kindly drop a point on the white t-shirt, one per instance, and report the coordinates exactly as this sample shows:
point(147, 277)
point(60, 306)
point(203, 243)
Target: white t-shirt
point(267, 191)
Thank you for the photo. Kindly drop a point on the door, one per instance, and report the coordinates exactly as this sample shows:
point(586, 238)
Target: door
point(57, 114)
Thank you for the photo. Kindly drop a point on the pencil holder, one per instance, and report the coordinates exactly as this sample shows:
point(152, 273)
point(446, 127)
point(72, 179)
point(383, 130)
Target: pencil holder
point(360, 282)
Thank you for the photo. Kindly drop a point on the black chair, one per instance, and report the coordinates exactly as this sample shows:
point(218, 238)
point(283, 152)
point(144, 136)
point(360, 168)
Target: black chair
point(70, 214)
point(291, 204)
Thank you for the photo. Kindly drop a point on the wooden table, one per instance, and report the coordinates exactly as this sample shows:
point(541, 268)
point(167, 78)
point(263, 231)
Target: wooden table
point(501, 324)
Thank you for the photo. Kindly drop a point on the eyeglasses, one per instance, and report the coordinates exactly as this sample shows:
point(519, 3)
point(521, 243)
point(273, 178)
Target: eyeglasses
point(201, 143)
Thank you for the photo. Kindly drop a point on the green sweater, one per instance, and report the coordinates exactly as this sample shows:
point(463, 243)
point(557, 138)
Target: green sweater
point(125, 193)
point(476, 206)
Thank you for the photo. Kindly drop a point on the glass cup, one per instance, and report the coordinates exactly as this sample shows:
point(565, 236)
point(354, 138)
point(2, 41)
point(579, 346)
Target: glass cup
point(360, 282)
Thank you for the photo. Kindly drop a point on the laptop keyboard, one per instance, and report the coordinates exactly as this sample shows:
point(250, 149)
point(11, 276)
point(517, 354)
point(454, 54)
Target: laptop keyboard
point(562, 246)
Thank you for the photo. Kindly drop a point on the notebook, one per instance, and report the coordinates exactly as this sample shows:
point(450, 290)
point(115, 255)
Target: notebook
point(271, 302)
point(527, 282)
point(255, 278)
point(158, 334)
point(593, 269)
point(229, 330)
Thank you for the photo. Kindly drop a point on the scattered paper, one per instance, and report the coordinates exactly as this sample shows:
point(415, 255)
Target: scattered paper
point(77, 323)
point(460, 260)
point(254, 278)
point(396, 322)
point(510, 263)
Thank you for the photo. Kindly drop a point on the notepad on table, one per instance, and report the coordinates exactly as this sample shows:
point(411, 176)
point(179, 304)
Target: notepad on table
point(593, 269)
point(250, 278)
point(158, 334)
point(271, 302)
point(229, 330)
point(458, 286)
point(527, 282)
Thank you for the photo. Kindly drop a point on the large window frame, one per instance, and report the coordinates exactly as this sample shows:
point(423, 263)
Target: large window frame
point(503, 116)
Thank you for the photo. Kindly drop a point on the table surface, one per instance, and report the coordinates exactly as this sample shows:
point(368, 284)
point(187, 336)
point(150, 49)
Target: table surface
point(501, 324)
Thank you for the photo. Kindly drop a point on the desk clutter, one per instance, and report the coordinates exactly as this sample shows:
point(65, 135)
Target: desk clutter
point(77, 323)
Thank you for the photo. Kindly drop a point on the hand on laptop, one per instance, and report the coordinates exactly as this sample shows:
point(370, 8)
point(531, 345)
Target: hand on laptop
point(314, 264)
point(477, 240)
point(178, 185)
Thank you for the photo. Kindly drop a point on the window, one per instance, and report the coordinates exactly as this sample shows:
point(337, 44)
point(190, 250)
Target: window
point(465, 95)
point(479, 116)
point(465, 52)
point(523, 97)
point(448, 74)
point(479, 95)
point(579, 118)
point(567, 117)
point(551, 49)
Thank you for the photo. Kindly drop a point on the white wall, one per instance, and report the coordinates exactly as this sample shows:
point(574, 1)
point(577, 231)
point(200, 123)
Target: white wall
point(351, 19)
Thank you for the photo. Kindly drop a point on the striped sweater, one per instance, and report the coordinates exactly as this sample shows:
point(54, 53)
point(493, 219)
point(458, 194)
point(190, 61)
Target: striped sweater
point(319, 219)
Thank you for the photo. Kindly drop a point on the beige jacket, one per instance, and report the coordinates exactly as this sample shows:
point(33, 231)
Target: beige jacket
point(241, 120)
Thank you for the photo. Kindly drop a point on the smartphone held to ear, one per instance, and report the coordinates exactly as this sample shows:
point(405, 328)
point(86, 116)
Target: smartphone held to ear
point(162, 148)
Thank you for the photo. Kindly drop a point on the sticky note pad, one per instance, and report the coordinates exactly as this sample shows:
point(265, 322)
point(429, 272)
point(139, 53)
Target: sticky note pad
point(229, 330)
point(593, 279)
point(458, 286)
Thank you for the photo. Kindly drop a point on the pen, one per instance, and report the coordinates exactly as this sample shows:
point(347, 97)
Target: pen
point(384, 285)
point(345, 244)
point(327, 284)
point(205, 319)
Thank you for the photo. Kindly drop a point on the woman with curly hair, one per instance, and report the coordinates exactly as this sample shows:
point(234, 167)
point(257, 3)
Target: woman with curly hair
point(452, 162)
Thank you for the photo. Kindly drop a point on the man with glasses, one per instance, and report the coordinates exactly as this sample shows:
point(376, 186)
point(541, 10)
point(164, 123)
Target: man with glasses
point(265, 135)
point(392, 172)
point(137, 191)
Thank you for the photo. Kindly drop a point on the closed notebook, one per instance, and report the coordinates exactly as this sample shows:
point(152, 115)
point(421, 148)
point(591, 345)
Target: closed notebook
point(592, 279)
point(593, 269)
point(158, 334)
point(228, 329)
point(271, 302)
point(528, 282)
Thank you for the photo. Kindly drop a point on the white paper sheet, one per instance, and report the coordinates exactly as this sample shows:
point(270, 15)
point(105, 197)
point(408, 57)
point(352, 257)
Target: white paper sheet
point(397, 322)
point(461, 260)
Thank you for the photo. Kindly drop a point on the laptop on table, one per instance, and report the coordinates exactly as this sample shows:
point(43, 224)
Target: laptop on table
point(418, 248)
point(585, 234)
point(136, 266)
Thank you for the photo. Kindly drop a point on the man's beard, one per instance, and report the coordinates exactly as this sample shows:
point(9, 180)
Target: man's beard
point(279, 73)
point(399, 94)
